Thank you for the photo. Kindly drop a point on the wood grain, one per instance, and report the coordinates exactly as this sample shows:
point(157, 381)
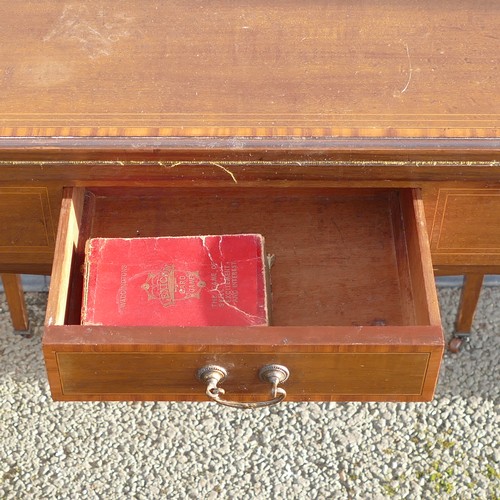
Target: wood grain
point(327, 363)
point(325, 68)
point(27, 221)
point(418, 257)
point(15, 300)
point(478, 158)
point(347, 375)
point(323, 94)
point(468, 302)
point(343, 257)
point(333, 249)
point(466, 225)
point(65, 258)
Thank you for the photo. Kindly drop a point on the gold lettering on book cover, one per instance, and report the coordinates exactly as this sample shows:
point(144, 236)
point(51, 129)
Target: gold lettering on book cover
point(170, 285)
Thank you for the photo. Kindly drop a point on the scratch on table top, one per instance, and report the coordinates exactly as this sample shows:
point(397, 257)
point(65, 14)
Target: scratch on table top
point(410, 70)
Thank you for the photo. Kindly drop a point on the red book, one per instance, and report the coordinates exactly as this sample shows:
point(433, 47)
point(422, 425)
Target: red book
point(178, 281)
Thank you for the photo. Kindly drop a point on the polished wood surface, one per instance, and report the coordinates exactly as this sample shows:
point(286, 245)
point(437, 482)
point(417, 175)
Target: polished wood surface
point(346, 244)
point(313, 375)
point(27, 223)
point(352, 277)
point(160, 363)
point(67, 244)
point(15, 299)
point(245, 98)
point(468, 302)
point(286, 68)
point(466, 223)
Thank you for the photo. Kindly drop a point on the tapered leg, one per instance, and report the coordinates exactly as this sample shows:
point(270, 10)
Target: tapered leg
point(467, 308)
point(15, 300)
point(468, 302)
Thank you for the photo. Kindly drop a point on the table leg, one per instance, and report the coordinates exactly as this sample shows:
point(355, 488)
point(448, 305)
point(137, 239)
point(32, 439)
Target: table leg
point(467, 308)
point(15, 300)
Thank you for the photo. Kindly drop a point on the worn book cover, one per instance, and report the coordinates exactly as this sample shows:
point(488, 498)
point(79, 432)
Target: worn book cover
point(216, 280)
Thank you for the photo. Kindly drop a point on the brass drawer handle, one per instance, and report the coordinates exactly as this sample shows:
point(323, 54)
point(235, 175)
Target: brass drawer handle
point(274, 374)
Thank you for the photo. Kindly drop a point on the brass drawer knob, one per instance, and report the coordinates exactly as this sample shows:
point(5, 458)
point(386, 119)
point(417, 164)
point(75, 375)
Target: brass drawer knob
point(273, 374)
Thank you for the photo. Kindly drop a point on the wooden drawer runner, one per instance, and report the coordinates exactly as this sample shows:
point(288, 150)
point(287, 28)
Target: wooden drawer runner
point(355, 314)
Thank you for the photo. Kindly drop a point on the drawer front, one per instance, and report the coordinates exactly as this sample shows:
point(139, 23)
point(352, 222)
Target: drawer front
point(354, 305)
point(313, 376)
point(466, 227)
point(27, 235)
point(370, 363)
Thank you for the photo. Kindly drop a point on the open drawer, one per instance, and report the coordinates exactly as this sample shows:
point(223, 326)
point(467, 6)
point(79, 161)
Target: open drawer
point(354, 307)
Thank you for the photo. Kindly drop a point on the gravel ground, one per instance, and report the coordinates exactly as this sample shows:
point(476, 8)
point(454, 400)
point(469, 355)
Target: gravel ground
point(444, 449)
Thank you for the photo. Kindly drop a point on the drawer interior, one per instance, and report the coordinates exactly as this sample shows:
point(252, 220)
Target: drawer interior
point(342, 257)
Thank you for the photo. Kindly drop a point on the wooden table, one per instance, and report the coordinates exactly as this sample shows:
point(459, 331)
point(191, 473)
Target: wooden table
point(151, 97)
